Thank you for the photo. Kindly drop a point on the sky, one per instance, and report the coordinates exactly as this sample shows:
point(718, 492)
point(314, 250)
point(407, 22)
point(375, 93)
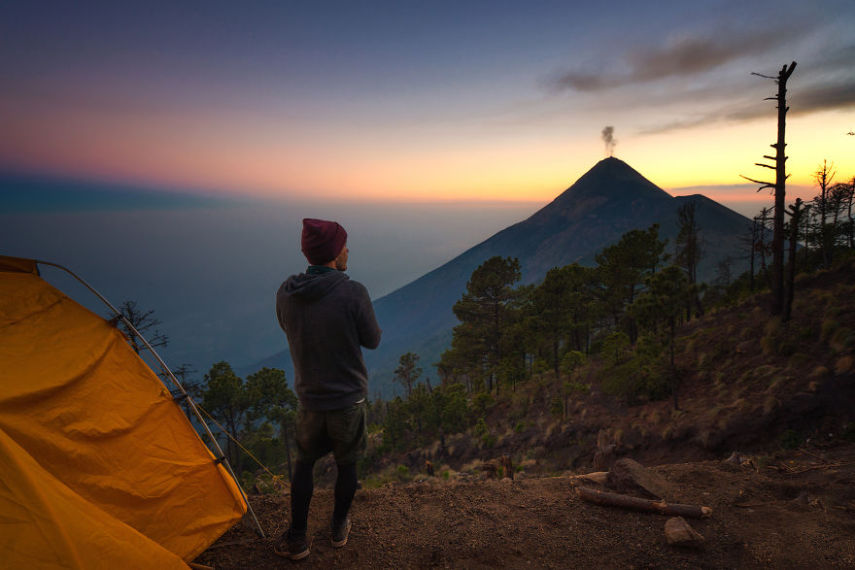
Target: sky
point(421, 101)
point(167, 151)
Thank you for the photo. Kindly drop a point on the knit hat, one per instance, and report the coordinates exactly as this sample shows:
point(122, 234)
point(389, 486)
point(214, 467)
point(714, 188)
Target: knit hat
point(322, 241)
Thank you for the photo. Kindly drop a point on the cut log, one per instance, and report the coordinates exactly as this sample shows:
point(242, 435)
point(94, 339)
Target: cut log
point(637, 504)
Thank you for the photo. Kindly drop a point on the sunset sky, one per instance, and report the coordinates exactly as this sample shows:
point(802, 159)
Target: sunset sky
point(421, 101)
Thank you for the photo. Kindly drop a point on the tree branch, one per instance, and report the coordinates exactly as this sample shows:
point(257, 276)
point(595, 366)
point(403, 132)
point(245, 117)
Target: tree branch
point(787, 72)
point(764, 184)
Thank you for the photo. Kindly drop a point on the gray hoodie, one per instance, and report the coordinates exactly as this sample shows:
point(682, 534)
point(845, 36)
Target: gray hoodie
point(327, 317)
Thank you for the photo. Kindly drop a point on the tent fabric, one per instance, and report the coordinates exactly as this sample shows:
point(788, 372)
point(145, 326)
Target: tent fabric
point(97, 456)
point(47, 525)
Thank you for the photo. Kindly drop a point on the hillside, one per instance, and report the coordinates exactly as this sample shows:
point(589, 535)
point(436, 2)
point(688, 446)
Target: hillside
point(764, 435)
point(748, 383)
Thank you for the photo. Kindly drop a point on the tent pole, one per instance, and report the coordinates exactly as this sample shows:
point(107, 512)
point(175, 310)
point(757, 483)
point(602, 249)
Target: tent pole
point(174, 380)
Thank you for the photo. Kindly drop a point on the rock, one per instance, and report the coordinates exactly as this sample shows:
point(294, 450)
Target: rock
point(738, 458)
point(679, 533)
point(735, 457)
point(629, 476)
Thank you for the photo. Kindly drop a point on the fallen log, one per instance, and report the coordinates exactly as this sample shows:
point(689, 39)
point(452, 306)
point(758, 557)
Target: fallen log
point(637, 504)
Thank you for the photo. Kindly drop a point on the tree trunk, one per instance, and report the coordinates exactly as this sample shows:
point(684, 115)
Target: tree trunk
point(780, 193)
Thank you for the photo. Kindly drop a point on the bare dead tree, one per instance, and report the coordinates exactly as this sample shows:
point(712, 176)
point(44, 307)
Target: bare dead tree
point(779, 185)
point(142, 321)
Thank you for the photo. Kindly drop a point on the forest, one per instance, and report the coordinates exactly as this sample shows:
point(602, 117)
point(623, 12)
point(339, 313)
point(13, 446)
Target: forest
point(620, 317)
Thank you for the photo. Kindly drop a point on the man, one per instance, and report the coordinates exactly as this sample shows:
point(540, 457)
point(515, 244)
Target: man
point(327, 318)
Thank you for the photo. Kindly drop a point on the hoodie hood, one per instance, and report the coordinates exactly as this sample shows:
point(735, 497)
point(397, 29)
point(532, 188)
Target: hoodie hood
point(311, 287)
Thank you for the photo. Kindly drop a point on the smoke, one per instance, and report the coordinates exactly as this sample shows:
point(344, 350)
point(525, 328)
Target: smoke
point(608, 135)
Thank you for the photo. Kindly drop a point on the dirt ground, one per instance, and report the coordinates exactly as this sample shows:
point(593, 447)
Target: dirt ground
point(795, 509)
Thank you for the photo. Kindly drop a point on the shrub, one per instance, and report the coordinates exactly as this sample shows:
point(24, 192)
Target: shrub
point(482, 402)
point(402, 472)
point(644, 376)
point(480, 428)
point(572, 360)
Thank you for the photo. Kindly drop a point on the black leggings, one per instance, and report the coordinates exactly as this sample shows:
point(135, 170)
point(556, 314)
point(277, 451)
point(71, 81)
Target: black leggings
point(303, 486)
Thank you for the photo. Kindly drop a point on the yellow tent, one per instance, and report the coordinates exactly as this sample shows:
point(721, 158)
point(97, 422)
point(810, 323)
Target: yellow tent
point(99, 467)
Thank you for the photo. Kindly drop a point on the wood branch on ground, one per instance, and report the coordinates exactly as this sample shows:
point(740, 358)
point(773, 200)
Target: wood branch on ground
point(635, 503)
point(598, 477)
point(784, 468)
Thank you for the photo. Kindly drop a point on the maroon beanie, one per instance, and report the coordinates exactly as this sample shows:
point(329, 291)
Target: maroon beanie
point(322, 241)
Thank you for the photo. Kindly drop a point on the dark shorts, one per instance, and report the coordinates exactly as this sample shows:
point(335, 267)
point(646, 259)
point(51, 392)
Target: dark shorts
point(340, 431)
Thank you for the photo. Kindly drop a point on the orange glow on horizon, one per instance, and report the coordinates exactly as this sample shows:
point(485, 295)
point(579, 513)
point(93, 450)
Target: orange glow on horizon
point(218, 154)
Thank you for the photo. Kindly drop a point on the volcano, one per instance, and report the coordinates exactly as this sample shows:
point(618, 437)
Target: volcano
point(609, 200)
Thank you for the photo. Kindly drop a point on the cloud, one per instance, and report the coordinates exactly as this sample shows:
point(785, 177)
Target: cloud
point(684, 56)
point(834, 95)
point(821, 96)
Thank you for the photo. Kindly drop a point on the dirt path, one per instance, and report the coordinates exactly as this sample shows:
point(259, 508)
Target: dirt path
point(795, 512)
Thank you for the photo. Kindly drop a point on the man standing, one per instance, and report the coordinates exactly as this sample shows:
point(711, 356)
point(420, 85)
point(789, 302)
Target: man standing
point(327, 318)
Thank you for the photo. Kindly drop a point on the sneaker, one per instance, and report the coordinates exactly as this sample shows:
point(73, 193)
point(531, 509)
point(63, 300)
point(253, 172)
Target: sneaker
point(293, 546)
point(339, 532)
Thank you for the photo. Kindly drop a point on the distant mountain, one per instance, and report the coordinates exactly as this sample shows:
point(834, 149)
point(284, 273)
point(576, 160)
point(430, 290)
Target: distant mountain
point(42, 193)
point(606, 202)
